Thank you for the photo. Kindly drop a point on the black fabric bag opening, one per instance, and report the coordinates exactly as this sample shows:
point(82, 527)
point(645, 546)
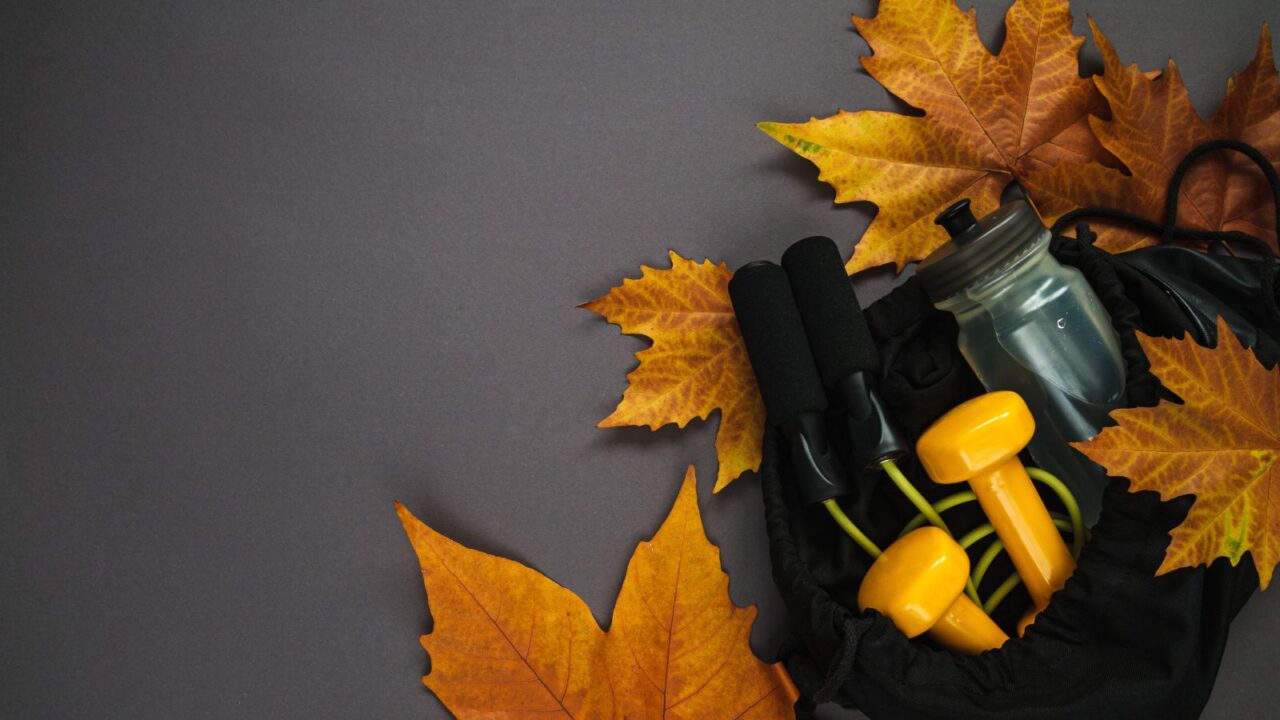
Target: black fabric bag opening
point(1117, 641)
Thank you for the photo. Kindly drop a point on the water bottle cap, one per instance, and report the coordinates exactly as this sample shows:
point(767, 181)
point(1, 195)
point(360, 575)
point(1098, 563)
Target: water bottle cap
point(977, 247)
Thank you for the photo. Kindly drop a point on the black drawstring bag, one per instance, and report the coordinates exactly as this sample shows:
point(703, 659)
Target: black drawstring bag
point(1117, 641)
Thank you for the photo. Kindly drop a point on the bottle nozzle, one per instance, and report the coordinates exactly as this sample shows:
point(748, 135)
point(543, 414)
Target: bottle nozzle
point(957, 219)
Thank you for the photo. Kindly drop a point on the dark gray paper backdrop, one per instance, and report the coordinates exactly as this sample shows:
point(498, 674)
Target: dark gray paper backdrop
point(265, 268)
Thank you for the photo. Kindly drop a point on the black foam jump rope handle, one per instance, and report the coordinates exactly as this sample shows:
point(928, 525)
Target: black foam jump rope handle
point(793, 396)
point(830, 311)
point(775, 340)
point(842, 346)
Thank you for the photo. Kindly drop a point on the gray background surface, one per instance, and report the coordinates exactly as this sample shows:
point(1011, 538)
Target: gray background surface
point(265, 268)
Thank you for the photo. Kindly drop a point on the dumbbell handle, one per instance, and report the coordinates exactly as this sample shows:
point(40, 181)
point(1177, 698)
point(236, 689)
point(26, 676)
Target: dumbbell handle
point(1022, 522)
point(966, 629)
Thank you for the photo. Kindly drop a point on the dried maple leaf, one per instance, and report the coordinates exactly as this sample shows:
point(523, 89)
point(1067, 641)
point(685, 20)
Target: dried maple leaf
point(1153, 125)
point(697, 362)
point(508, 642)
point(988, 119)
point(1220, 444)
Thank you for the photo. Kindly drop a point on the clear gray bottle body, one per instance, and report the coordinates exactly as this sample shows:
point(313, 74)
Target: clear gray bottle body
point(1036, 327)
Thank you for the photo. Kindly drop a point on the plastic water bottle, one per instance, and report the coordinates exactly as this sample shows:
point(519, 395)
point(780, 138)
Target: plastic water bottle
point(1033, 326)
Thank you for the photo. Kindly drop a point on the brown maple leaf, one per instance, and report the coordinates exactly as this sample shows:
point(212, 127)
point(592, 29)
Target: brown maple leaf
point(988, 119)
point(1220, 444)
point(510, 643)
point(697, 362)
point(1153, 125)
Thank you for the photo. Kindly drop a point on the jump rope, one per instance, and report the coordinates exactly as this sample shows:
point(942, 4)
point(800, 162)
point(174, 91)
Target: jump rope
point(807, 338)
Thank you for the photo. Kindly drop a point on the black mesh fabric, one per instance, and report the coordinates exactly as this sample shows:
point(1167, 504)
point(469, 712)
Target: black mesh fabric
point(1116, 642)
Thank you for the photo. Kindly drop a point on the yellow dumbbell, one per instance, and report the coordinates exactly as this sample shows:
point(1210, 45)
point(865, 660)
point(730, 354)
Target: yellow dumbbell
point(979, 441)
point(918, 583)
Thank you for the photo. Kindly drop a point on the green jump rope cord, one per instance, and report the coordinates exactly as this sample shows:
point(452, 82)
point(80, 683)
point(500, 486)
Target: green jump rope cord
point(850, 529)
point(1001, 592)
point(1068, 501)
point(984, 562)
point(928, 511)
point(1073, 523)
point(941, 506)
point(1043, 477)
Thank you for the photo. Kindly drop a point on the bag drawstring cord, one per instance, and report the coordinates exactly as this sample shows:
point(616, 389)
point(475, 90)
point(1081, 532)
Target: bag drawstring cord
point(1169, 231)
point(843, 665)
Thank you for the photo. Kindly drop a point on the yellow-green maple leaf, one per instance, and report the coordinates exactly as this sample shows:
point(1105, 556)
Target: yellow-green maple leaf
point(1220, 444)
point(697, 363)
point(988, 119)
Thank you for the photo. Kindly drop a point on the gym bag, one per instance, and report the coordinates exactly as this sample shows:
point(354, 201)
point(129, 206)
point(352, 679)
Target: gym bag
point(1117, 641)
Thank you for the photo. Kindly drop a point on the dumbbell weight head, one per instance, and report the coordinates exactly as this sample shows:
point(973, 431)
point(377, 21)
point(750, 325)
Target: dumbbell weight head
point(918, 583)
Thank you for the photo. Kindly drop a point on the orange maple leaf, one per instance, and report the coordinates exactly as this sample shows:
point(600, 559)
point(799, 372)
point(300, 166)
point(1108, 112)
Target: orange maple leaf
point(1220, 444)
point(1153, 126)
point(509, 642)
point(697, 362)
point(988, 119)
